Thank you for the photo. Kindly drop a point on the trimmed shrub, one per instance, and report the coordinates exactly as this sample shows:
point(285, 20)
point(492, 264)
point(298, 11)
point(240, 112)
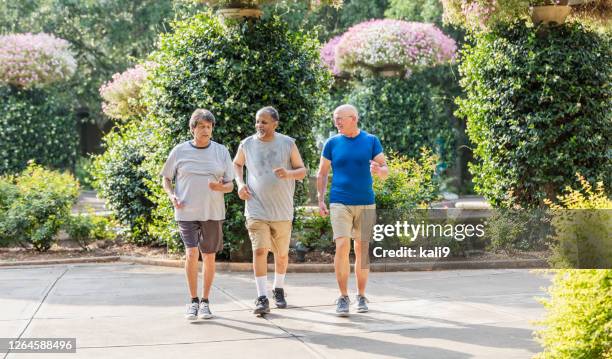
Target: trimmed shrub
point(82, 172)
point(232, 70)
point(36, 124)
point(316, 232)
point(538, 110)
point(411, 183)
point(120, 178)
point(583, 228)
point(86, 228)
point(578, 321)
point(39, 206)
point(425, 10)
point(406, 114)
point(28, 60)
point(79, 229)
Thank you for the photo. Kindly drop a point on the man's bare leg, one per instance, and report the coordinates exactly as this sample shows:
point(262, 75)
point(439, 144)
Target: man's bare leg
point(260, 262)
point(362, 268)
point(208, 273)
point(281, 263)
point(191, 270)
point(342, 263)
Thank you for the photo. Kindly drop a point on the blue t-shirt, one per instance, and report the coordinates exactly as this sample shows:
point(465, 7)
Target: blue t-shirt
point(350, 162)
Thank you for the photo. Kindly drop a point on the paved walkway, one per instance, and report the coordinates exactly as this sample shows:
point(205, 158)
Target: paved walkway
point(134, 311)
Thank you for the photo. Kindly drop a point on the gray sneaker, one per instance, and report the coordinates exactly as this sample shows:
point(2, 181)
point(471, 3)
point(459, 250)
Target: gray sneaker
point(342, 306)
point(362, 305)
point(204, 311)
point(192, 311)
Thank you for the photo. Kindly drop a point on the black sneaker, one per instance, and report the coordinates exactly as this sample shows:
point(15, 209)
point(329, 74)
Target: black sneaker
point(262, 305)
point(279, 298)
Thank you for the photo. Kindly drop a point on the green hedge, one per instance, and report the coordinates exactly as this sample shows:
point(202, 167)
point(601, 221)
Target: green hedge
point(406, 114)
point(120, 179)
point(34, 205)
point(538, 108)
point(232, 70)
point(39, 125)
point(578, 316)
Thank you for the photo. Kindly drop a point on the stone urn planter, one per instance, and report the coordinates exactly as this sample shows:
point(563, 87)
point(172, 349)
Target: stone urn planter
point(250, 9)
point(390, 71)
point(549, 14)
point(239, 13)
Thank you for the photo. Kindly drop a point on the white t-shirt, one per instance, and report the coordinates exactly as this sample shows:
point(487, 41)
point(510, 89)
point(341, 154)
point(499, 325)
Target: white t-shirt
point(191, 168)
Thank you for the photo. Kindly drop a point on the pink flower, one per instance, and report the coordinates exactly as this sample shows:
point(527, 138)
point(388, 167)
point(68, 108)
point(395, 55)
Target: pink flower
point(28, 60)
point(328, 54)
point(400, 44)
point(122, 94)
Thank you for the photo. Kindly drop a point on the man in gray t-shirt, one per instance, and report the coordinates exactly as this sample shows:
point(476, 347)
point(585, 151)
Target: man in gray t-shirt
point(273, 164)
point(202, 172)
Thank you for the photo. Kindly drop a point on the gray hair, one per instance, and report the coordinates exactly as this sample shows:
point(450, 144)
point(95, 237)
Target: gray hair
point(200, 115)
point(270, 111)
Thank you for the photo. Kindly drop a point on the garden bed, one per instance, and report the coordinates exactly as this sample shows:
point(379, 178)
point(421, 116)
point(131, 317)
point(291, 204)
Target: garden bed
point(68, 249)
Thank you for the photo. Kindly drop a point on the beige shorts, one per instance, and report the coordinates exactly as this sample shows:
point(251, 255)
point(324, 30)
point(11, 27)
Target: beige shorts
point(354, 222)
point(273, 235)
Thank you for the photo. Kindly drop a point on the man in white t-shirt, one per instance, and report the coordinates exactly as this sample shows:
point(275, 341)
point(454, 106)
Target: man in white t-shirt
point(202, 171)
point(274, 164)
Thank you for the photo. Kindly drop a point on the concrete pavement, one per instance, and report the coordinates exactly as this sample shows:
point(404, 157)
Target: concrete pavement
point(121, 310)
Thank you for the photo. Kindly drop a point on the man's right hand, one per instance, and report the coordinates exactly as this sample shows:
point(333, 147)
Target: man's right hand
point(323, 209)
point(244, 193)
point(175, 202)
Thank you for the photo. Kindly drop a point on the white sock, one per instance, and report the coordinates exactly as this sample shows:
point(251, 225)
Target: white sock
point(261, 286)
point(279, 281)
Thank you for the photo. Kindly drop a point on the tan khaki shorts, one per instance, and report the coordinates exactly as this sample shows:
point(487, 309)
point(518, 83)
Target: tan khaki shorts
point(354, 222)
point(273, 235)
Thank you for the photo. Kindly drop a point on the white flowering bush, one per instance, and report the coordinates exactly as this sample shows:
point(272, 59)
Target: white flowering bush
point(121, 95)
point(34, 60)
point(405, 46)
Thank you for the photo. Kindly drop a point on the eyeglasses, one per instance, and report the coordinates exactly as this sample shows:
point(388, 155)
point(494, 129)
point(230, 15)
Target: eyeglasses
point(340, 117)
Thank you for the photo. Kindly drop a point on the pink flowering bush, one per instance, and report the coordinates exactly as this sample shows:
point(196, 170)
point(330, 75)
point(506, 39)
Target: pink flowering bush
point(375, 44)
point(122, 94)
point(328, 54)
point(28, 60)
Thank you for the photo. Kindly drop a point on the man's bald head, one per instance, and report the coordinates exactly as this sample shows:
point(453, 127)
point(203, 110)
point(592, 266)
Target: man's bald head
point(345, 120)
point(346, 110)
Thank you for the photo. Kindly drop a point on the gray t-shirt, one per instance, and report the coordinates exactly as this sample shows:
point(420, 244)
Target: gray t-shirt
point(271, 197)
point(191, 168)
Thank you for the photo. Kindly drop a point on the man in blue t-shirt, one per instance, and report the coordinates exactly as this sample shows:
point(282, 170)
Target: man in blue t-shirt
point(354, 156)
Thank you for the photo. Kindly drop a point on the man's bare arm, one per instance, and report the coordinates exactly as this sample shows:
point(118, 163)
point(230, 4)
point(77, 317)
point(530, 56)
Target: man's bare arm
point(298, 171)
point(169, 189)
point(378, 166)
point(322, 176)
point(243, 189)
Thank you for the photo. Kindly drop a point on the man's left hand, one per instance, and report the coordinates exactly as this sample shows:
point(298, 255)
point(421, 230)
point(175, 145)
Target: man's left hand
point(375, 168)
point(281, 173)
point(216, 185)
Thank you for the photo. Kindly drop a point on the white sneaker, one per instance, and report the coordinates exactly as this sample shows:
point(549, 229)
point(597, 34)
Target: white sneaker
point(204, 311)
point(192, 311)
